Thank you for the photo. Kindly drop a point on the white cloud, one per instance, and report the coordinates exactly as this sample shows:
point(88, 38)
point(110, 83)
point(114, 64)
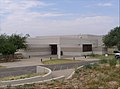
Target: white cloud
point(47, 14)
point(104, 4)
point(28, 24)
point(100, 5)
point(13, 6)
point(21, 20)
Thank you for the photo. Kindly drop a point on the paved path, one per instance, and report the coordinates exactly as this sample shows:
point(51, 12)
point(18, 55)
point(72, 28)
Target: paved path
point(66, 73)
point(58, 70)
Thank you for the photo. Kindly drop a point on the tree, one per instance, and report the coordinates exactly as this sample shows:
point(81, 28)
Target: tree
point(18, 41)
point(10, 44)
point(112, 38)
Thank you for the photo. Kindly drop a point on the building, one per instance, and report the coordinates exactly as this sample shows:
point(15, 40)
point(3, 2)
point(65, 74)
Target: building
point(66, 45)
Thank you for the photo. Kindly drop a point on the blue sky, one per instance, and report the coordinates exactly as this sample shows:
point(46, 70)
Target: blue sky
point(58, 17)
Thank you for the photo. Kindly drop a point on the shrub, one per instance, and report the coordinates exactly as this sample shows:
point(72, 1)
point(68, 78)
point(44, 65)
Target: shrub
point(91, 66)
point(112, 62)
point(88, 66)
point(95, 65)
point(103, 61)
point(77, 71)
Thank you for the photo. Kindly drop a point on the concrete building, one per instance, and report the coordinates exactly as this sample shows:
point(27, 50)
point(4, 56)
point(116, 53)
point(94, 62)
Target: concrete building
point(66, 45)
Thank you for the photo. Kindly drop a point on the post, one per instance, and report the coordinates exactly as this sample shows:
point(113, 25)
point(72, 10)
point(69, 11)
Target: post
point(59, 51)
point(41, 59)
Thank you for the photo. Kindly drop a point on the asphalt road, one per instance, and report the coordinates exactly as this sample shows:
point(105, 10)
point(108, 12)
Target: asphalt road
point(31, 69)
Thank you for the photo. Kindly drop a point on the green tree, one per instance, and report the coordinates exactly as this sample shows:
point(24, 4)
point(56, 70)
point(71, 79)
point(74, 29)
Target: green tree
point(112, 38)
point(19, 41)
point(10, 44)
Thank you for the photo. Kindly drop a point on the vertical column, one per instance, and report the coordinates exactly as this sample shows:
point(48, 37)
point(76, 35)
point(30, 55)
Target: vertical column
point(59, 51)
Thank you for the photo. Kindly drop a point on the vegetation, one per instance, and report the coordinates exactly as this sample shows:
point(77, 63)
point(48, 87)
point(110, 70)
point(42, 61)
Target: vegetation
point(110, 59)
point(10, 44)
point(112, 38)
point(59, 61)
point(112, 62)
point(103, 61)
point(101, 56)
point(2, 66)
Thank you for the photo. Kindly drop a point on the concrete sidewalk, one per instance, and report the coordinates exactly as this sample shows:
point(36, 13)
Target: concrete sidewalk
point(65, 72)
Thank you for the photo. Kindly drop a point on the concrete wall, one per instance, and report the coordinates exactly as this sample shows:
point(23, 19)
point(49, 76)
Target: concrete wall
point(40, 45)
point(69, 45)
point(74, 45)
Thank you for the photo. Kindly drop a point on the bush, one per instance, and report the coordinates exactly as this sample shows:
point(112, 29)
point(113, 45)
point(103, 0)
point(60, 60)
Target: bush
point(91, 66)
point(103, 61)
point(112, 62)
point(88, 66)
point(95, 65)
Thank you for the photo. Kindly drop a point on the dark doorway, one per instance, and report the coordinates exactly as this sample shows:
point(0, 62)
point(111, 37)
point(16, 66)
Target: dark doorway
point(53, 49)
point(87, 47)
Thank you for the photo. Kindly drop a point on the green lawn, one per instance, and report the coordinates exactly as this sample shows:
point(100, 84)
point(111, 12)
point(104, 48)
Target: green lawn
point(102, 56)
point(59, 61)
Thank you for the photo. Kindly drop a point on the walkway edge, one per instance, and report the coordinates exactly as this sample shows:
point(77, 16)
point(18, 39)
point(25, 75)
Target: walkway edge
point(56, 78)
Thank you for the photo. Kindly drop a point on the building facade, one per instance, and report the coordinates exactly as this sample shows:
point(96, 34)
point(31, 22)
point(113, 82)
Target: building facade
point(68, 45)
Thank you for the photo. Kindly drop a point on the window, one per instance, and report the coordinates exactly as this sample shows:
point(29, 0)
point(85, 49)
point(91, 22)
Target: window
point(87, 47)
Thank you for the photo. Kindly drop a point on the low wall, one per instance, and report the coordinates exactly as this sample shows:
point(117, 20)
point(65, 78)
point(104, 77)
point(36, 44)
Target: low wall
point(40, 69)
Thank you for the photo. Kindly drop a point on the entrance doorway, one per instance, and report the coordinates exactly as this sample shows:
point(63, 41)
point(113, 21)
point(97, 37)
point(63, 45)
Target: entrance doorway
point(53, 49)
point(87, 47)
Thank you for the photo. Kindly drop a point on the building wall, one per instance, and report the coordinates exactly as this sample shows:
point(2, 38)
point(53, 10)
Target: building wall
point(70, 45)
point(40, 45)
point(74, 45)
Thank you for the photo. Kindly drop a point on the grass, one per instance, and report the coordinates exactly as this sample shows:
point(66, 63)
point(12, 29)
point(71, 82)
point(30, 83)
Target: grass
point(2, 67)
point(101, 56)
point(59, 61)
point(21, 76)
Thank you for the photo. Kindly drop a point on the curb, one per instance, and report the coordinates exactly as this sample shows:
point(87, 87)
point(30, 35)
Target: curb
point(27, 80)
point(57, 78)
